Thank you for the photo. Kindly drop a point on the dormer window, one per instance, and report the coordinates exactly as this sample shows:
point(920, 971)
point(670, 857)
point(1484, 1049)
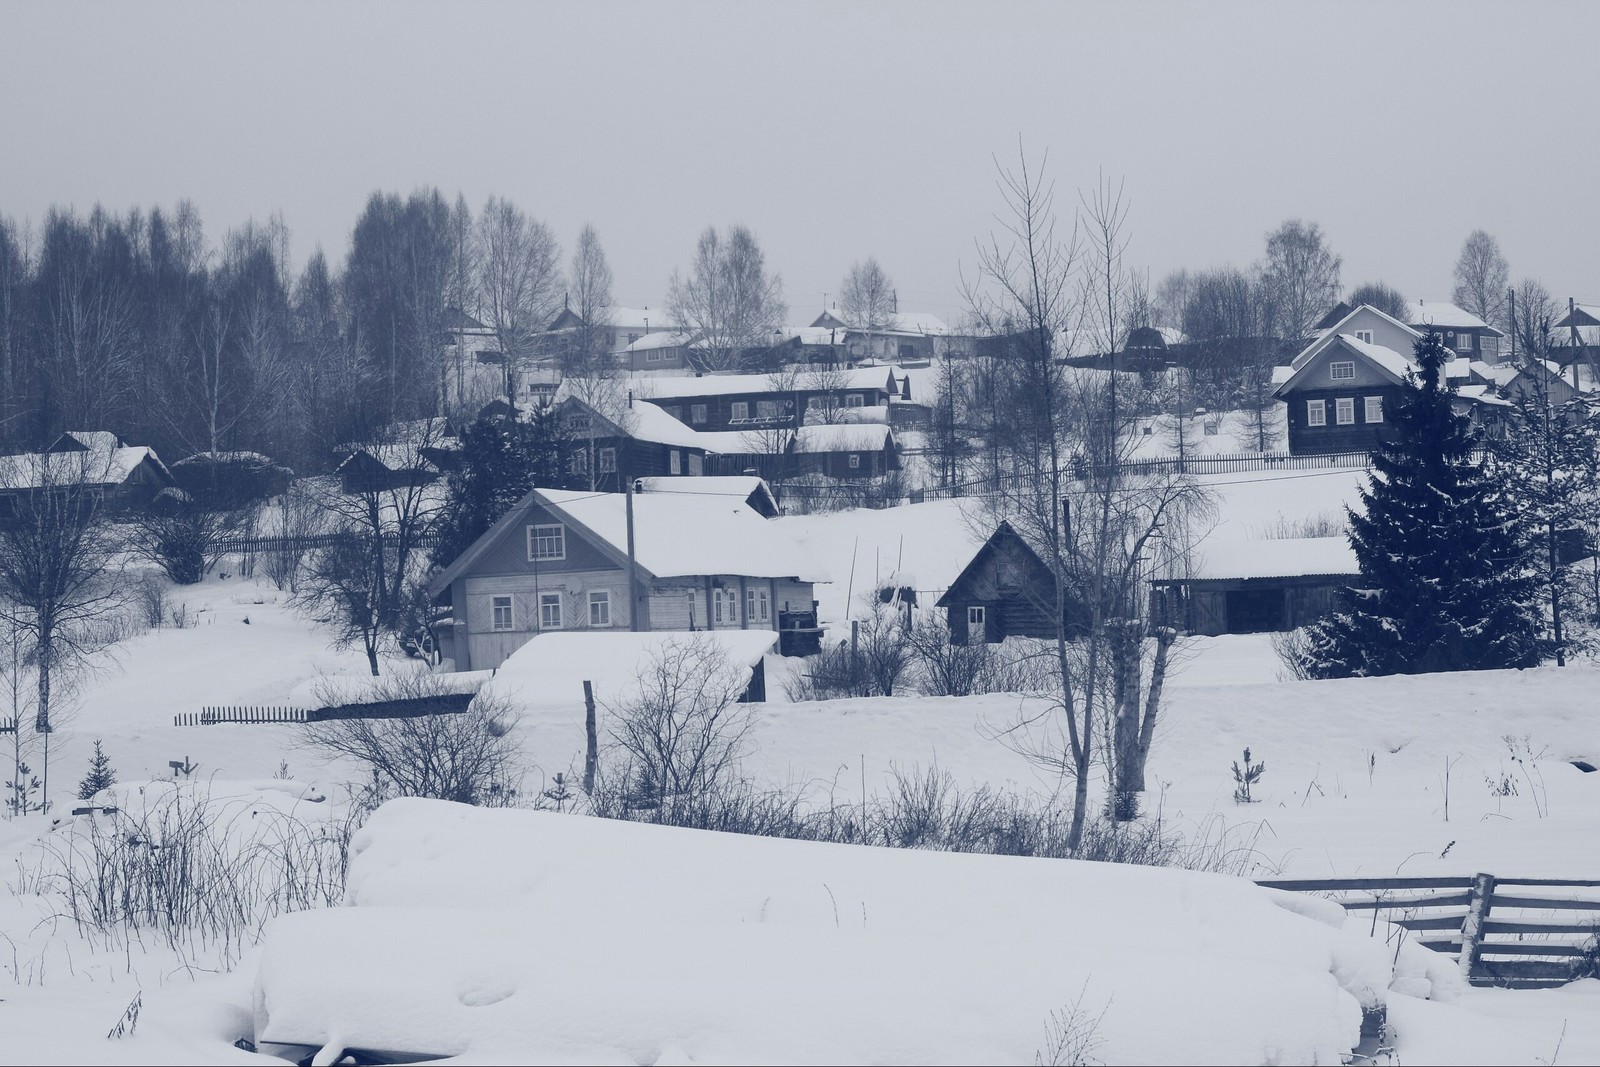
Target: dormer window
point(1342, 371)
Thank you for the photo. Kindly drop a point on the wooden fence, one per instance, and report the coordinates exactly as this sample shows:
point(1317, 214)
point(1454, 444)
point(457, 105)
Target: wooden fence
point(1223, 464)
point(8, 726)
point(1520, 933)
point(406, 708)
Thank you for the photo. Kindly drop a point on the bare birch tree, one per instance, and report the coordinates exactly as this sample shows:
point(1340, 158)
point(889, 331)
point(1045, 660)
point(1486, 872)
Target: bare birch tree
point(1303, 274)
point(867, 300)
point(727, 300)
point(60, 568)
point(519, 282)
point(1482, 278)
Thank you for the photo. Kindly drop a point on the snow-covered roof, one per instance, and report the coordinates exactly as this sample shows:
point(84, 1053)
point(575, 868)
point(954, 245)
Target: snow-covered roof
point(92, 466)
point(1387, 358)
point(870, 413)
point(738, 487)
point(1328, 336)
point(843, 437)
point(401, 457)
point(1281, 374)
point(224, 457)
point(917, 322)
point(646, 422)
point(1481, 394)
point(662, 339)
point(815, 335)
point(550, 669)
point(725, 384)
point(1284, 558)
point(678, 535)
point(1438, 313)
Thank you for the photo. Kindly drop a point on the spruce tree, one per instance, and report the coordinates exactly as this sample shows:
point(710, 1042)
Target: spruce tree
point(1446, 581)
point(101, 774)
point(500, 461)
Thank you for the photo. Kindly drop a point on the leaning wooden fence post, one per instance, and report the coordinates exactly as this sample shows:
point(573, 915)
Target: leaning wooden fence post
point(1472, 927)
point(591, 755)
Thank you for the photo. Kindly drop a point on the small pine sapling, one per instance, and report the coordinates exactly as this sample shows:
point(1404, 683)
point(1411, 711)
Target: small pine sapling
point(559, 793)
point(1245, 777)
point(22, 792)
point(101, 774)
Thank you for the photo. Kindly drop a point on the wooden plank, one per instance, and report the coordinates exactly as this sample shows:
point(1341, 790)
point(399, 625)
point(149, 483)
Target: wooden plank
point(1324, 885)
point(1472, 928)
point(1529, 948)
point(1431, 922)
point(1550, 903)
point(1550, 881)
point(1526, 969)
point(1446, 900)
point(1501, 927)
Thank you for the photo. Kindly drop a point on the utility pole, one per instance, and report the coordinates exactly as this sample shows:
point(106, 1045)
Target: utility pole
point(1572, 325)
point(633, 561)
point(1511, 302)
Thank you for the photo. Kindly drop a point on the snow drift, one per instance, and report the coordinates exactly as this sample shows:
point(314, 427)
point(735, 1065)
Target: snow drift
point(555, 938)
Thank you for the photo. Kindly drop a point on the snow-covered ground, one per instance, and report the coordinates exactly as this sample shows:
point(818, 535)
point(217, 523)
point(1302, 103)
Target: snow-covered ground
point(1356, 778)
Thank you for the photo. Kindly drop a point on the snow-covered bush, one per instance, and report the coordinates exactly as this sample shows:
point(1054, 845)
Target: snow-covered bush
point(471, 757)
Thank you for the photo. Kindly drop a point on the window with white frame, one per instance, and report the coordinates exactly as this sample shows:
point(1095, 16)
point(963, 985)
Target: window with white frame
point(724, 607)
point(855, 400)
point(547, 542)
point(653, 356)
point(1342, 370)
point(757, 607)
point(580, 461)
point(855, 461)
point(977, 621)
point(600, 609)
point(675, 461)
point(1364, 335)
point(550, 611)
point(814, 403)
point(1316, 413)
point(500, 612)
point(766, 409)
point(1463, 341)
point(696, 465)
point(608, 461)
point(739, 411)
point(1345, 410)
point(1490, 347)
point(697, 414)
point(1374, 408)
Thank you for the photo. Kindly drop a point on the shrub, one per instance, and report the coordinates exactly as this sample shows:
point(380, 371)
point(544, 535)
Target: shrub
point(683, 732)
point(471, 757)
point(945, 669)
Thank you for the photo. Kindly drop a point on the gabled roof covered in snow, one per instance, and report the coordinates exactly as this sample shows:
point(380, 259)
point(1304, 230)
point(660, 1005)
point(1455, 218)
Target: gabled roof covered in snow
point(640, 421)
point(748, 489)
point(89, 457)
point(902, 323)
point(675, 535)
point(1344, 326)
point(844, 437)
point(1445, 316)
point(665, 339)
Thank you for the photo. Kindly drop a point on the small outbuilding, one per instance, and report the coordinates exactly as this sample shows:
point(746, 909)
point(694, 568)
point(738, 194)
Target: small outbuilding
point(1005, 591)
point(1257, 586)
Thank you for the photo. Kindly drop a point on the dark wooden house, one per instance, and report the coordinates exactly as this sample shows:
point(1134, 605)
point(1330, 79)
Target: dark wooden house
point(1006, 591)
point(640, 441)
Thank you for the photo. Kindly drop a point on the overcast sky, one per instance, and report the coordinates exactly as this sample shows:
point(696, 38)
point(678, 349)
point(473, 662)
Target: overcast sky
point(835, 131)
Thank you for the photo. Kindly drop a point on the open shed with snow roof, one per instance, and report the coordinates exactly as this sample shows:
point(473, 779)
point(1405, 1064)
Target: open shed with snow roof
point(1245, 587)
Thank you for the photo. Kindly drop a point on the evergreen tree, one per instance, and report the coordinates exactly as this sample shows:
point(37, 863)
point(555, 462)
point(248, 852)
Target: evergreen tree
point(501, 461)
point(101, 774)
point(1446, 582)
point(1545, 459)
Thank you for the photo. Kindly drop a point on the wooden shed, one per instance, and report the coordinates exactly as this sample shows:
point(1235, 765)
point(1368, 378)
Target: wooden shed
point(1005, 591)
point(1257, 586)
